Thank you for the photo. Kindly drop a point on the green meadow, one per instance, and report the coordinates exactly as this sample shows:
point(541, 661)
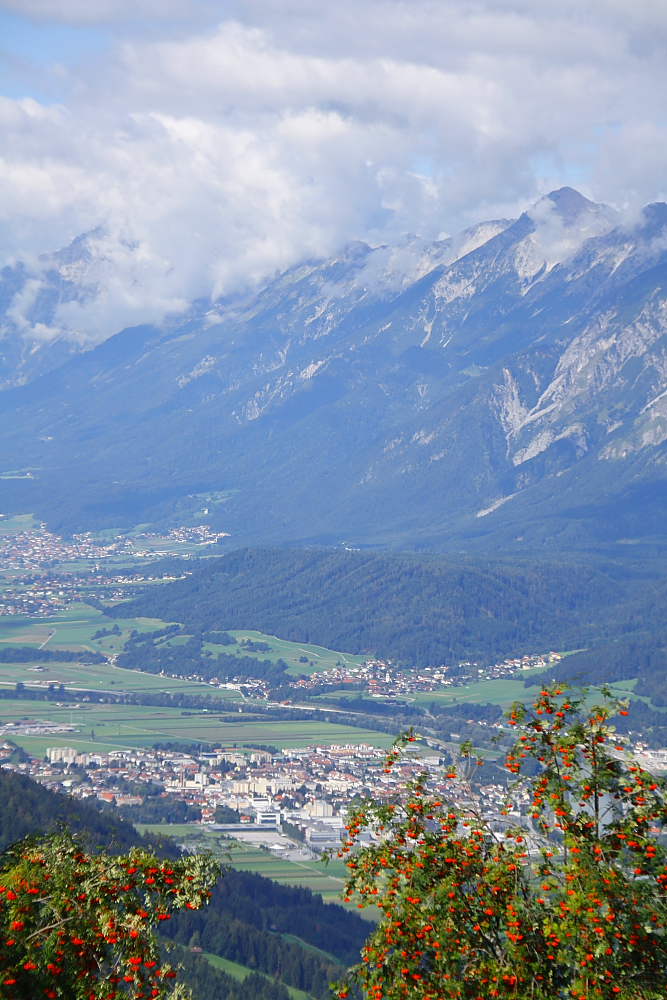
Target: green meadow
point(501, 691)
point(301, 657)
point(76, 628)
point(16, 523)
point(328, 880)
point(241, 972)
point(319, 658)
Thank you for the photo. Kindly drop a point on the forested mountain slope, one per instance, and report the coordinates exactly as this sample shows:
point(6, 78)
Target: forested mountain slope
point(27, 808)
point(415, 609)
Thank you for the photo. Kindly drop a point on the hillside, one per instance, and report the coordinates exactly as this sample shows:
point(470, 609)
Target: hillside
point(502, 389)
point(246, 919)
point(27, 808)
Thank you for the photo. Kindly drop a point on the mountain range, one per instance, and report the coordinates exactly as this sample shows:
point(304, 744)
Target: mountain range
point(503, 388)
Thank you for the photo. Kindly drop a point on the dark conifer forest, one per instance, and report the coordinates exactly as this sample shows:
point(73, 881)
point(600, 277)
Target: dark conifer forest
point(414, 609)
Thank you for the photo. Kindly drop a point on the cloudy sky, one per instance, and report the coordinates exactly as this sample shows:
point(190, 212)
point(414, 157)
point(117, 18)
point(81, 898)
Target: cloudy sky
point(216, 142)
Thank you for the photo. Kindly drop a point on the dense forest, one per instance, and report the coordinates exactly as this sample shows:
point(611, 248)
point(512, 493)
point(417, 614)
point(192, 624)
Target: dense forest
point(246, 926)
point(253, 899)
point(157, 809)
point(641, 656)
point(249, 919)
point(414, 609)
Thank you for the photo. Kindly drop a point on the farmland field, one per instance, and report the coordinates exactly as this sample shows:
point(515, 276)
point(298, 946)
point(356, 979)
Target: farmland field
point(502, 691)
point(74, 629)
point(105, 727)
point(325, 879)
point(102, 677)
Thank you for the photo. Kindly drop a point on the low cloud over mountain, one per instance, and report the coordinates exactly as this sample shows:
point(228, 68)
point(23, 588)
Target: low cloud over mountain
point(224, 146)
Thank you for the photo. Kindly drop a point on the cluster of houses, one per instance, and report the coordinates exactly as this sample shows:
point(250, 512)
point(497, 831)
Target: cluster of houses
point(38, 548)
point(304, 791)
point(382, 679)
point(198, 534)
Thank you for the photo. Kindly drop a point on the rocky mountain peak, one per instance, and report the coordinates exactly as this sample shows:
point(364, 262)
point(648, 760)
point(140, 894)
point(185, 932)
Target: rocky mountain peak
point(569, 203)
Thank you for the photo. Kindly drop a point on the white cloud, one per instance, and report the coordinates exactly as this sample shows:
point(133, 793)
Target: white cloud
point(273, 130)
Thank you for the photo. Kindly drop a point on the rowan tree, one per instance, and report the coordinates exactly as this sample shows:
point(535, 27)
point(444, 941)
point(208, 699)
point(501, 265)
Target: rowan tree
point(81, 926)
point(567, 901)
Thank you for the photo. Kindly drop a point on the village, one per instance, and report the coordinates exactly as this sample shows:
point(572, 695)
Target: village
point(44, 573)
point(298, 795)
point(37, 548)
point(382, 679)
